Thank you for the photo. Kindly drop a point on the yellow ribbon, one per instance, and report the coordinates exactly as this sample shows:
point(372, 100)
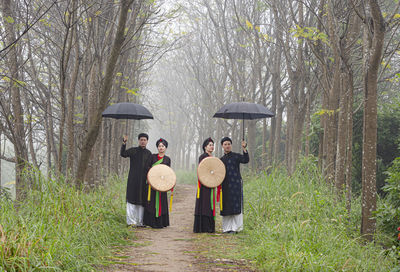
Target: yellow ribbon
point(149, 193)
point(170, 201)
point(220, 200)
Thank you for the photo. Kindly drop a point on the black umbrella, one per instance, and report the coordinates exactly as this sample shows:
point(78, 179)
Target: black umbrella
point(127, 110)
point(243, 110)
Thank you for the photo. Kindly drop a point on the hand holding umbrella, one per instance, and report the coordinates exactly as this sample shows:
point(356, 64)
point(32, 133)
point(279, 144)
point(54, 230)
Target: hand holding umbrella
point(244, 145)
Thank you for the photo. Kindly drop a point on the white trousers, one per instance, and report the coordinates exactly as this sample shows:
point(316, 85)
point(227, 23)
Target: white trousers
point(134, 214)
point(232, 222)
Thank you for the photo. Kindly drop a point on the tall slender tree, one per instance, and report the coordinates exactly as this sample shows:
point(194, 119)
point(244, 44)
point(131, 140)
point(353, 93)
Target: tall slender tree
point(376, 33)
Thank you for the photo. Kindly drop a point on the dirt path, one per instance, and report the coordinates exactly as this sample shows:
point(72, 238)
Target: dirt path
point(176, 248)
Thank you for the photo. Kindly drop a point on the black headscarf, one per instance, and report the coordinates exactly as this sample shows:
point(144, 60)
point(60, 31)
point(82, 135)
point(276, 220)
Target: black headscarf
point(226, 139)
point(163, 141)
point(206, 142)
point(143, 135)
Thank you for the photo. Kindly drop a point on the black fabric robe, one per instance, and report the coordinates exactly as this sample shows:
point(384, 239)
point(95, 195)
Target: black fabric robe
point(232, 188)
point(136, 186)
point(149, 217)
point(203, 213)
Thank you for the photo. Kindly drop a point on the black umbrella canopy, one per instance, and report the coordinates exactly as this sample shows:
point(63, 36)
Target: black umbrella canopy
point(127, 110)
point(243, 110)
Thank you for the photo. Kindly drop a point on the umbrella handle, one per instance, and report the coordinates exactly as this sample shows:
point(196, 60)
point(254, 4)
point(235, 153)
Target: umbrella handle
point(243, 130)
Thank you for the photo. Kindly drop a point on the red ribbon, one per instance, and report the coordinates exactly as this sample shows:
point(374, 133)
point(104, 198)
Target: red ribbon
point(218, 192)
point(159, 206)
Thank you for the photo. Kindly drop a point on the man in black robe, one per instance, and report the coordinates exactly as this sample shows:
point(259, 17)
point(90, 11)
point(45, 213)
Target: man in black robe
point(136, 187)
point(232, 187)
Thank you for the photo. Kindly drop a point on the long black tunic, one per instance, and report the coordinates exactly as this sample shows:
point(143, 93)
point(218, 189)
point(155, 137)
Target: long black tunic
point(149, 217)
point(203, 213)
point(232, 189)
point(136, 187)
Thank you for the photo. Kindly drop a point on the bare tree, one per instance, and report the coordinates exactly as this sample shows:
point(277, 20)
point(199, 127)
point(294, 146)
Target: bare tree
point(375, 38)
point(16, 124)
point(104, 93)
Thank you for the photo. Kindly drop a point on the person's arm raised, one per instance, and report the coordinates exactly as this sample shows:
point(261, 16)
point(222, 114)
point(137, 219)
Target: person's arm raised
point(245, 157)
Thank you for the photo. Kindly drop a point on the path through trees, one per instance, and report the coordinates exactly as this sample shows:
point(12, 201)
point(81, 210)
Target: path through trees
point(177, 248)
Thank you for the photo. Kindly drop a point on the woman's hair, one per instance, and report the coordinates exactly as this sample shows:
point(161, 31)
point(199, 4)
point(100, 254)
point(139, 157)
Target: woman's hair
point(163, 141)
point(206, 142)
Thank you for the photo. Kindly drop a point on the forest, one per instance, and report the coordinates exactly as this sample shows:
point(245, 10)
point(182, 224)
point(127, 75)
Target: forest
point(327, 69)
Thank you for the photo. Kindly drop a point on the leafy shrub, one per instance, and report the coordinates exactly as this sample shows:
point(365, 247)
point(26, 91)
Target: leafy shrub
point(388, 212)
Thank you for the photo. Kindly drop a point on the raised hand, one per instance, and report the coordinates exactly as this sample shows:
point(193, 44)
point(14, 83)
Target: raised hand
point(244, 145)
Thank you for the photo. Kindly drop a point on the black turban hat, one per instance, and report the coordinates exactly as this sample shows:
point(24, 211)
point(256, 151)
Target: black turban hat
point(226, 139)
point(206, 142)
point(163, 141)
point(143, 135)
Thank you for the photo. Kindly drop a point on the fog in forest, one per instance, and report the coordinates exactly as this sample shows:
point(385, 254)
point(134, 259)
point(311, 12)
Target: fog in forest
point(327, 70)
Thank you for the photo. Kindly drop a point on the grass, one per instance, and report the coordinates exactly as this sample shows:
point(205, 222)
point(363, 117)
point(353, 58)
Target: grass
point(60, 228)
point(186, 177)
point(295, 224)
point(291, 224)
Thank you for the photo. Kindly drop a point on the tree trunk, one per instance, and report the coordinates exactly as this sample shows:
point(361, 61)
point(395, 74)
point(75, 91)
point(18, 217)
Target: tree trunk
point(91, 136)
point(18, 129)
point(354, 34)
point(278, 128)
point(30, 134)
point(321, 135)
point(49, 114)
point(105, 148)
point(65, 54)
point(276, 82)
point(289, 138)
point(330, 132)
point(71, 108)
point(368, 223)
point(264, 154)
point(296, 106)
point(308, 124)
point(342, 136)
point(91, 117)
point(349, 147)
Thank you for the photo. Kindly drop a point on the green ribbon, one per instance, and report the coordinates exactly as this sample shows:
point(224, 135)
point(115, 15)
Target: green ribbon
point(158, 162)
point(212, 201)
point(157, 192)
point(157, 203)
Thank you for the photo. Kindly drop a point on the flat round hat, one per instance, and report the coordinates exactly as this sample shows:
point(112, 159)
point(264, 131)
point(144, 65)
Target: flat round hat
point(211, 172)
point(161, 178)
